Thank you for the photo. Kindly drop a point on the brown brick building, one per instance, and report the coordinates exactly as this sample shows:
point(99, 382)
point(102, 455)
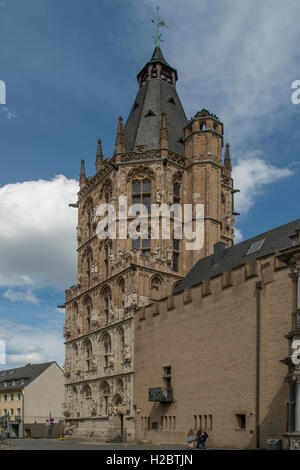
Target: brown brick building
point(214, 355)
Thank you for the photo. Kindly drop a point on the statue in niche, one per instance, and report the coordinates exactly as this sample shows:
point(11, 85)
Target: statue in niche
point(157, 251)
point(126, 353)
point(170, 198)
point(169, 253)
point(111, 359)
point(158, 197)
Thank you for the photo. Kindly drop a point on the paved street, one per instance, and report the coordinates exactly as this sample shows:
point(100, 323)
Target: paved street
point(54, 444)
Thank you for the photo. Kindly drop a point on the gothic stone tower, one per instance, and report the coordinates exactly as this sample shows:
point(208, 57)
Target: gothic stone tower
point(160, 158)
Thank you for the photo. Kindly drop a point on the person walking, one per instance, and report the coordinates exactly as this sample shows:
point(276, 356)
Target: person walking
point(190, 439)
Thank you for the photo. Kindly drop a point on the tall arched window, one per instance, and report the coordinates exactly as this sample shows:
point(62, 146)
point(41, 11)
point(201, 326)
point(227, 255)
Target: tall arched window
point(88, 312)
point(106, 349)
point(74, 352)
point(88, 355)
point(156, 286)
point(120, 386)
point(121, 340)
point(86, 397)
point(106, 301)
point(104, 396)
point(141, 194)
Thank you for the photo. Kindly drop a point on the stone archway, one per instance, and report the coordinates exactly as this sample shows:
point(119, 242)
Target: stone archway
point(116, 424)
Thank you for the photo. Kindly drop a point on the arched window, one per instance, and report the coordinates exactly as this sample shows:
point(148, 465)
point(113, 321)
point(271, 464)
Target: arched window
point(141, 194)
point(104, 394)
point(120, 386)
point(156, 286)
point(106, 349)
point(74, 400)
point(121, 338)
point(88, 312)
point(106, 302)
point(86, 391)
point(107, 252)
point(122, 285)
point(88, 355)
point(86, 394)
point(74, 352)
point(121, 292)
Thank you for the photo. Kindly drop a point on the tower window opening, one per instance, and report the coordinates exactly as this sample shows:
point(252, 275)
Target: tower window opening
point(150, 113)
point(176, 193)
point(241, 420)
point(106, 309)
point(141, 194)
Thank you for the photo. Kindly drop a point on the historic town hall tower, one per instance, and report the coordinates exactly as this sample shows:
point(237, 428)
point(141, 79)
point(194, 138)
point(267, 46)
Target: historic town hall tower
point(160, 158)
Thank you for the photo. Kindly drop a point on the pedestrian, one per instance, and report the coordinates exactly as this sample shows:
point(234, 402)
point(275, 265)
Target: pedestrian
point(201, 439)
point(190, 439)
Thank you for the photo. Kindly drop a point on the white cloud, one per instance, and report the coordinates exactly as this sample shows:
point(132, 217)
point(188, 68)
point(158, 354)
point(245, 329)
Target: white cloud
point(231, 59)
point(34, 344)
point(38, 233)
point(21, 296)
point(250, 175)
point(238, 236)
point(9, 114)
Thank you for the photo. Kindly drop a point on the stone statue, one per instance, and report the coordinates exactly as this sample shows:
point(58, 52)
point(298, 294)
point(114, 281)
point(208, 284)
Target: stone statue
point(157, 251)
point(169, 253)
point(111, 359)
point(126, 353)
point(170, 198)
point(158, 196)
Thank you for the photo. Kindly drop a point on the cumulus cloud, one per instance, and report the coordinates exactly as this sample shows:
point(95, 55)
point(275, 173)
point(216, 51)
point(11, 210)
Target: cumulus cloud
point(238, 236)
point(23, 343)
point(38, 234)
point(21, 296)
point(251, 174)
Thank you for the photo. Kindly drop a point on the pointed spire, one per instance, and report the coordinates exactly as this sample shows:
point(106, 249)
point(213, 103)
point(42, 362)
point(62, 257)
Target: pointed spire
point(82, 178)
point(227, 168)
point(163, 138)
point(120, 140)
point(99, 157)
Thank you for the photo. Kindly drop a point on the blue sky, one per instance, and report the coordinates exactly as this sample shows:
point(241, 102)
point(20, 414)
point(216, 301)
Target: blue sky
point(70, 69)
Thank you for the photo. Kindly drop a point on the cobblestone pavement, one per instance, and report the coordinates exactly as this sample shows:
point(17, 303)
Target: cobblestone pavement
point(54, 444)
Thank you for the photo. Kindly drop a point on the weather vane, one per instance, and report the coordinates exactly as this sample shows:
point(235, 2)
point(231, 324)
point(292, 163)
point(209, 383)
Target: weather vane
point(159, 24)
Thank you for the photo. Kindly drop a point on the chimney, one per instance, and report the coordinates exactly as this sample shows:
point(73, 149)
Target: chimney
point(219, 250)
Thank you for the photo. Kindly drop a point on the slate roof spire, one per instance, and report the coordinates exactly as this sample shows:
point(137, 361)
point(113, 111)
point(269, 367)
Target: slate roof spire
point(156, 96)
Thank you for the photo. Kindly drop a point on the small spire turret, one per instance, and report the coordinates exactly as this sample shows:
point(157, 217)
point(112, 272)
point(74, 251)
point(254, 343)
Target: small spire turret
point(120, 139)
point(227, 168)
point(99, 157)
point(82, 178)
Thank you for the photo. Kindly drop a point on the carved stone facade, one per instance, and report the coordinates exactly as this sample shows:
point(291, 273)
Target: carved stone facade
point(116, 277)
